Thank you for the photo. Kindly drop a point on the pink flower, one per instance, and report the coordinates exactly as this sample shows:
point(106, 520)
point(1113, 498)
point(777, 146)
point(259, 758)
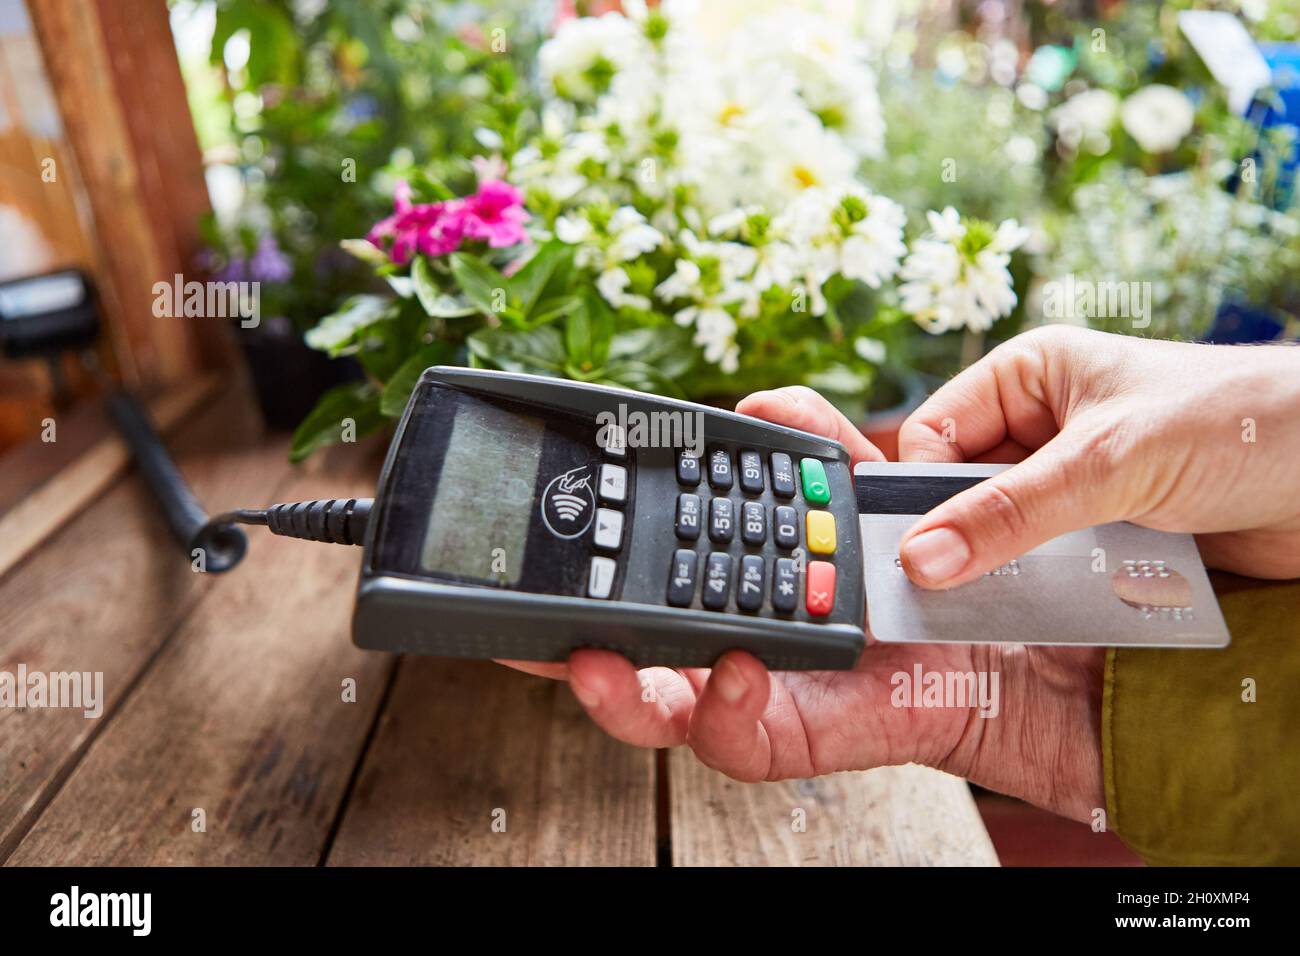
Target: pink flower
point(494, 214)
point(429, 228)
point(568, 10)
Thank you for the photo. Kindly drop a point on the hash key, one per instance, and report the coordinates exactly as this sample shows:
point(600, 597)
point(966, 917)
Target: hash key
point(782, 475)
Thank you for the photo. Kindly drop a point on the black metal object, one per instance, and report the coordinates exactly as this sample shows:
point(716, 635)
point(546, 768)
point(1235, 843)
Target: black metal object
point(46, 314)
point(49, 315)
point(221, 544)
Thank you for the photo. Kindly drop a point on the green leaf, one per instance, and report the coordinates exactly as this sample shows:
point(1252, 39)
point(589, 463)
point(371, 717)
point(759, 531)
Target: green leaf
point(426, 290)
point(436, 303)
point(667, 347)
point(341, 332)
point(426, 188)
point(588, 331)
point(527, 284)
point(640, 376)
point(482, 284)
point(364, 250)
point(548, 310)
point(402, 285)
point(392, 402)
point(539, 350)
point(385, 347)
point(324, 424)
point(273, 42)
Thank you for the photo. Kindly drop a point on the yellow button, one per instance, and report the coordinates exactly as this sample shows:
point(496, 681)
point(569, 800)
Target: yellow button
point(821, 532)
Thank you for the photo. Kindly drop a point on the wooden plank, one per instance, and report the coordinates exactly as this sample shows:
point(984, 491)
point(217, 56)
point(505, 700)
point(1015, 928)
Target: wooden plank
point(241, 716)
point(95, 110)
point(174, 194)
point(464, 742)
point(104, 594)
point(891, 816)
point(29, 465)
point(47, 507)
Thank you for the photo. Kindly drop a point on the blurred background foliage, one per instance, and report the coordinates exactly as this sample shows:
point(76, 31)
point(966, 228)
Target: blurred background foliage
point(291, 97)
point(287, 93)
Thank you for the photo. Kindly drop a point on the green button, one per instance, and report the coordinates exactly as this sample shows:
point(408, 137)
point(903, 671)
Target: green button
point(815, 486)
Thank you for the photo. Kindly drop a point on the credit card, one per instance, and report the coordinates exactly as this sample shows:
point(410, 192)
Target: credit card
point(1113, 585)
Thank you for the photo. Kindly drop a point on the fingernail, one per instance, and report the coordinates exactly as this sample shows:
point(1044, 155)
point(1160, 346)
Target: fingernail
point(587, 696)
point(937, 555)
point(729, 681)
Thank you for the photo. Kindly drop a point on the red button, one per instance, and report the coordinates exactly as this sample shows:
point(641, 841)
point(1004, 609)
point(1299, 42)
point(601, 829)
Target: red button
point(820, 587)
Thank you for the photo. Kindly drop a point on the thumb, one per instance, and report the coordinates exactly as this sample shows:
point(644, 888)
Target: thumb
point(1057, 489)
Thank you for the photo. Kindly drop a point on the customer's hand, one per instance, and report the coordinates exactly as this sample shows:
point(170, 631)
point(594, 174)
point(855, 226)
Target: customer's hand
point(1127, 429)
point(1168, 435)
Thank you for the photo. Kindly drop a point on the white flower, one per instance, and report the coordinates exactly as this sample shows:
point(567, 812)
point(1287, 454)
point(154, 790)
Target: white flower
point(682, 284)
point(871, 350)
point(585, 54)
point(946, 226)
point(727, 263)
point(874, 245)
point(1086, 115)
point(1158, 117)
point(957, 276)
point(803, 158)
point(715, 332)
point(826, 231)
point(572, 229)
point(1031, 96)
point(739, 133)
point(1022, 150)
point(623, 237)
point(612, 285)
point(632, 235)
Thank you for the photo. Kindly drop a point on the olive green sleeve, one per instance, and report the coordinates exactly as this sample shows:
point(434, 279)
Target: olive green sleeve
point(1201, 748)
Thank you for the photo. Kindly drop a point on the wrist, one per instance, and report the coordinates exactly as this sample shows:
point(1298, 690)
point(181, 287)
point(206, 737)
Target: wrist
point(1045, 745)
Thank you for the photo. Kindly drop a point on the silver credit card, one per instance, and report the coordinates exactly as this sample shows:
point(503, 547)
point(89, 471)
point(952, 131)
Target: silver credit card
point(1111, 585)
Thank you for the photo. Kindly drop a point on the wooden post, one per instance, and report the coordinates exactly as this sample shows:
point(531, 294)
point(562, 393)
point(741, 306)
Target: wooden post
point(112, 65)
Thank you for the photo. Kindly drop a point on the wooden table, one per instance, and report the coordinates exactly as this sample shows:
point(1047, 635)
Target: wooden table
point(227, 695)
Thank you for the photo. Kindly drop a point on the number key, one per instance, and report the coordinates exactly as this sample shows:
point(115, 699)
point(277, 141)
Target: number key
point(688, 516)
point(722, 520)
point(720, 469)
point(751, 473)
point(717, 582)
point(688, 469)
point(785, 527)
point(681, 578)
point(749, 589)
point(753, 523)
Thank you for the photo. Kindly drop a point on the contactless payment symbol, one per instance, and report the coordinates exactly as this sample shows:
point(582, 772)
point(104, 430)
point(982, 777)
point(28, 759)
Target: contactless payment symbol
point(568, 503)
